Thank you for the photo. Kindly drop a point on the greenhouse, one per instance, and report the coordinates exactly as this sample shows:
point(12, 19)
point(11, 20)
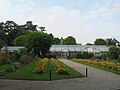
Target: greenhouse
point(73, 50)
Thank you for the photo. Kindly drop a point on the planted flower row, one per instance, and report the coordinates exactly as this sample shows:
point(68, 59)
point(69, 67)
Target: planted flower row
point(42, 66)
point(59, 67)
point(103, 64)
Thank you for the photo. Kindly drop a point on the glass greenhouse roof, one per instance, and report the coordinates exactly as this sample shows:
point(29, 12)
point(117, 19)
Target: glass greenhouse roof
point(73, 48)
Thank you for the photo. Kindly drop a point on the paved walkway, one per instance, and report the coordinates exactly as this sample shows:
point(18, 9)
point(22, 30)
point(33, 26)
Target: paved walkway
point(97, 80)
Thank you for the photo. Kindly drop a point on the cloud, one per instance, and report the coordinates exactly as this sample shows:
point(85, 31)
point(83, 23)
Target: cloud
point(102, 20)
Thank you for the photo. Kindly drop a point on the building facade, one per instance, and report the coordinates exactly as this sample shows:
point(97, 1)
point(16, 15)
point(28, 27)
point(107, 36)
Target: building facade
point(73, 50)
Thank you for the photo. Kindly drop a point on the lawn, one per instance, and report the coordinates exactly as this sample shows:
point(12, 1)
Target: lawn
point(28, 72)
point(2, 69)
point(97, 66)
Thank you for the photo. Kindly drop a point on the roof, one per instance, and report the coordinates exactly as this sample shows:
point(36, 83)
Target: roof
point(12, 48)
point(72, 48)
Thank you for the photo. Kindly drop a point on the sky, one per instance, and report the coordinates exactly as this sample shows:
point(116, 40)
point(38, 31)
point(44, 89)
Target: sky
point(85, 20)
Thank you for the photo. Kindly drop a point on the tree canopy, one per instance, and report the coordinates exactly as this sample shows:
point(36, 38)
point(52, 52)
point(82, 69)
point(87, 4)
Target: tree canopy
point(100, 41)
point(10, 30)
point(114, 53)
point(70, 40)
point(36, 42)
point(56, 41)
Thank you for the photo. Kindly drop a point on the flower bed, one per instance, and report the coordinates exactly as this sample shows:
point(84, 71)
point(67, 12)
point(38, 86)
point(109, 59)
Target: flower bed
point(60, 69)
point(42, 66)
point(103, 64)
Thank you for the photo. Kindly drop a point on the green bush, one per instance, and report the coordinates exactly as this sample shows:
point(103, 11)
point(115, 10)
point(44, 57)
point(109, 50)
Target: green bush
point(84, 55)
point(16, 65)
point(102, 57)
point(118, 59)
point(4, 58)
point(9, 69)
point(26, 59)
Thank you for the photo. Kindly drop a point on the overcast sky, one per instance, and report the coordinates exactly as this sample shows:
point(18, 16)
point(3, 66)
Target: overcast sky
point(86, 20)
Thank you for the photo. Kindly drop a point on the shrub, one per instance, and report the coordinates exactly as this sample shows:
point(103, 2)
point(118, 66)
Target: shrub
point(9, 69)
point(26, 59)
point(84, 55)
point(118, 59)
point(114, 52)
point(4, 58)
point(16, 65)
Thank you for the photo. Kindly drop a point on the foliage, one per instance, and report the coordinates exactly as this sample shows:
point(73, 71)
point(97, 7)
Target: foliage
point(114, 53)
point(89, 44)
point(20, 40)
point(26, 72)
point(100, 41)
point(56, 41)
point(60, 69)
point(42, 66)
point(9, 69)
point(16, 65)
point(84, 55)
point(11, 30)
point(118, 59)
point(103, 64)
point(26, 59)
point(111, 43)
point(70, 40)
point(4, 58)
point(102, 57)
point(39, 42)
point(2, 43)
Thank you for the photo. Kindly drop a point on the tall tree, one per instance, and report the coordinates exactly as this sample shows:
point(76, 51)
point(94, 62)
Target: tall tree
point(114, 53)
point(70, 40)
point(30, 27)
point(100, 41)
point(56, 41)
point(10, 30)
point(20, 40)
point(111, 43)
point(2, 43)
point(36, 42)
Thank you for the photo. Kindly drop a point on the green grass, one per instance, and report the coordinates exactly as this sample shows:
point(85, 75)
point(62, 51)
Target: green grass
point(98, 67)
point(27, 73)
point(71, 72)
point(2, 71)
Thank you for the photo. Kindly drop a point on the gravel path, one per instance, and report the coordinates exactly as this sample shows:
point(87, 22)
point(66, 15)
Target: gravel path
point(97, 80)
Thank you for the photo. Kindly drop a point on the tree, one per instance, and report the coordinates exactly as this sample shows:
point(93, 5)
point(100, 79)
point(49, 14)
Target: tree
point(100, 41)
point(69, 41)
point(10, 30)
point(114, 53)
point(2, 43)
point(20, 40)
point(89, 44)
point(111, 43)
point(56, 41)
point(29, 26)
point(36, 42)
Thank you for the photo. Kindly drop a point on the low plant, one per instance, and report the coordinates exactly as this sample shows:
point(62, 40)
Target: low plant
point(103, 64)
point(9, 69)
point(26, 59)
point(16, 65)
point(4, 58)
point(42, 66)
point(60, 69)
